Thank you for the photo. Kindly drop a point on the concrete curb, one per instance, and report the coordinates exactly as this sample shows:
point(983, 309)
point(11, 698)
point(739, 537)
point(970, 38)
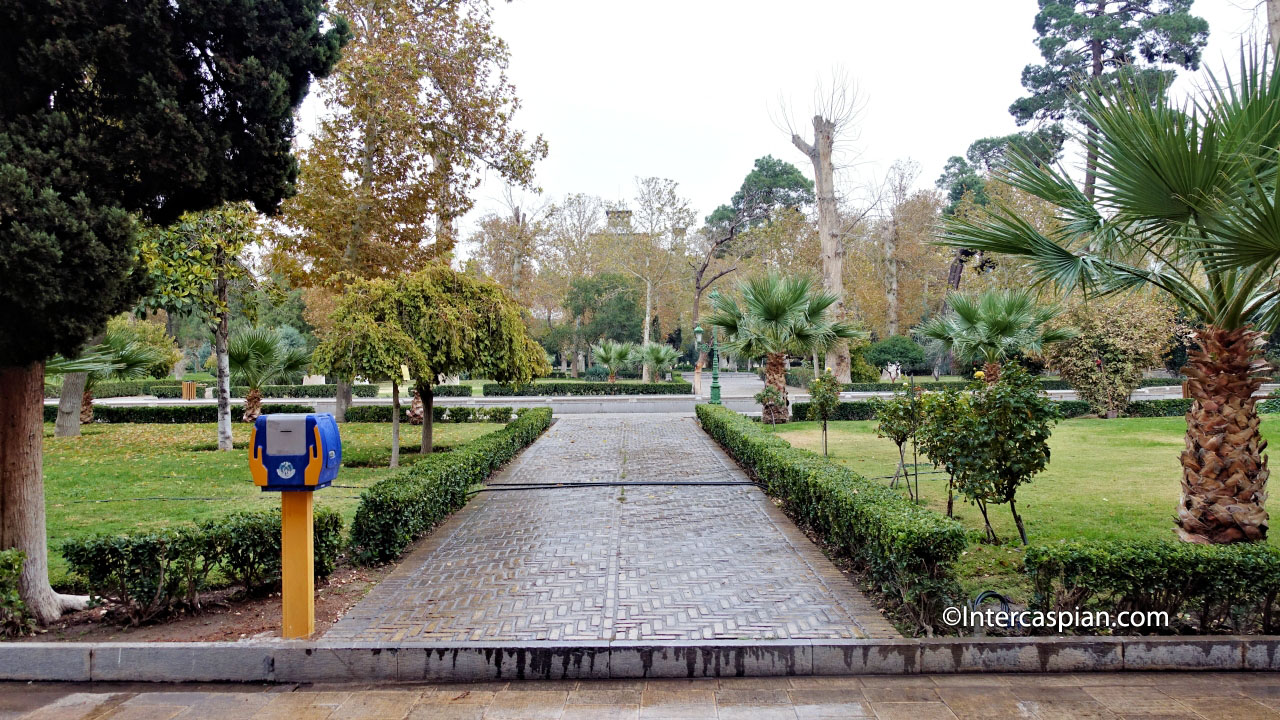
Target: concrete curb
point(328, 661)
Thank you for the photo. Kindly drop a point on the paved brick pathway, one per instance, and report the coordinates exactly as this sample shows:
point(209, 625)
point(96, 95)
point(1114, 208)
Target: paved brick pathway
point(1200, 696)
point(601, 563)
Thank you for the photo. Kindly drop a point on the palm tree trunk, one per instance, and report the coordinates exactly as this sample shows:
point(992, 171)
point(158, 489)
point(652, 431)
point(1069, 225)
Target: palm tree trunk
point(991, 373)
point(252, 404)
point(86, 406)
point(415, 408)
point(775, 376)
point(1224, 473)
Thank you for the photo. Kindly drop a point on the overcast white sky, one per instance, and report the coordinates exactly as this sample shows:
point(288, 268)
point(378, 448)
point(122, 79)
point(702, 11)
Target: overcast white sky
point(686, 89)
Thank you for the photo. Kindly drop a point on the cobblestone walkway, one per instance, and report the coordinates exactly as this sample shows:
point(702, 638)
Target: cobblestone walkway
point(1113, 696)
point(630, 562)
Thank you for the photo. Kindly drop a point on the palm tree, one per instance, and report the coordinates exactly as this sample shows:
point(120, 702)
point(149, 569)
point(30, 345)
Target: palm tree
point(1186, 202)
point(120, 356)
point(614, 356)
point(779, 317)
point(994, 327)
point(259, 357)
point(659, 358)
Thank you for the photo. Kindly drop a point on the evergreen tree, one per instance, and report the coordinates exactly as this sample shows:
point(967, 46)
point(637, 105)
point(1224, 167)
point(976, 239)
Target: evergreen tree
point(110, 111)
point(1096, 40)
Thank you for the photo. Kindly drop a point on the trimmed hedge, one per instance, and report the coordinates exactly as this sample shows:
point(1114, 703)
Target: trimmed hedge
point(171, 414)
point(164, 388)
point(1222, 588)
point(306, 391)
point(677, 386)
point(865, 409)
point(401, 508)
point(1048, 383)
point(382, 413)
point(149, 573)
point(908, 551)
point(451, 391)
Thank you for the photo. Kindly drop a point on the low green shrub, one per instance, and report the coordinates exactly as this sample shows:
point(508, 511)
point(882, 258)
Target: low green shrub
point(677, 386)
point(397, 510)
point(439, 413)
point(169, 414)
point(908, 551)
point(451, 391)
point(1204, 588)
point(362, 390)
point(865, 409)
point(15, 619)
point(459, 414)
point(149, 573)
point(850, 410)
point(164, 388)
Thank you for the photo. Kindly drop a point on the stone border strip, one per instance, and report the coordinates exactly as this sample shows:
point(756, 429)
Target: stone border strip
point(306, 661)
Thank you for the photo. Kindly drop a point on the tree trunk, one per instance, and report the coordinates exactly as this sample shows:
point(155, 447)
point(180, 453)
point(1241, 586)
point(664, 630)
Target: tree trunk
point(22, 508)
point(645, 375)
point(428, 417)
point(395, 423)
point(252, 405)
point(1091, 139)
point(1224, 473)
point(1017, 520)
point(342, 400)
point(1273, 26)
point(577, 353)
point(69, 403)
point(224, 370)
point(824, 131)
point(991, 373)
point(891, 280)
point(775, 376)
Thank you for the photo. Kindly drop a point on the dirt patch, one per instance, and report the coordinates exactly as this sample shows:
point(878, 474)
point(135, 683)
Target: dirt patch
point(223, 617)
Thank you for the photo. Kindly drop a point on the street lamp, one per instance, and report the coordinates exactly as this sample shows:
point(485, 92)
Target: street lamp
point(715, 360)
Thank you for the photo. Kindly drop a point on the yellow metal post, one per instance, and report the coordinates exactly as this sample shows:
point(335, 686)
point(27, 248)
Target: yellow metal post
point(297, 564)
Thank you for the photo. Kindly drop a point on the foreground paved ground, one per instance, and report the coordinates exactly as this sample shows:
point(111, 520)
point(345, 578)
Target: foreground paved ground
point(635, 562)
point(1121, 695)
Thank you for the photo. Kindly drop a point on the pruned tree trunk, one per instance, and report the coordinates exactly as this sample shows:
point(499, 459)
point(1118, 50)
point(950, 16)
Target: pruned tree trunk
point(428, 417)
point(775, 376)
point(22, 511)
point(395, 423)
point(220, 336)
point(252, 405)
point(69, 403)
point(1273, 26)
point(819, 153)
point(1224, 473)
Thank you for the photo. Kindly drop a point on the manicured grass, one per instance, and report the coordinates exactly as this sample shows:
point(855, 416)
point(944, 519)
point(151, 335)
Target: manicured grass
point(1107, 480)
point(123, 477)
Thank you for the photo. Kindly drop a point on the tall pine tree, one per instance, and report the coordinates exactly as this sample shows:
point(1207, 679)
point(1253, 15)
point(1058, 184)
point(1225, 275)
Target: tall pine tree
point(1085, 41)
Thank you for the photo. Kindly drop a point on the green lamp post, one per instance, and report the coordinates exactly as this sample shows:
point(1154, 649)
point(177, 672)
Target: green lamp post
point(715, 361)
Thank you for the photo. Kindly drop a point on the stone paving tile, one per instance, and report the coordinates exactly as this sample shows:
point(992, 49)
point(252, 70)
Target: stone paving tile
point(1042, 697)
point(646, 562)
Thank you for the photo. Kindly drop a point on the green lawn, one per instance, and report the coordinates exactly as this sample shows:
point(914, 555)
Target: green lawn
point(121, 477)
point(1107, 480)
